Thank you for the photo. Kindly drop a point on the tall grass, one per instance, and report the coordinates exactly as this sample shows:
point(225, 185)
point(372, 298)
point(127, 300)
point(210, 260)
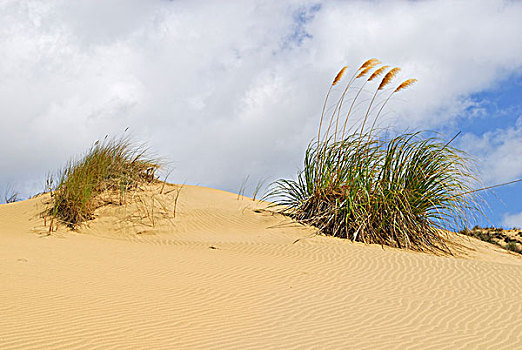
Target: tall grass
point(114, 165)
point(398, 190)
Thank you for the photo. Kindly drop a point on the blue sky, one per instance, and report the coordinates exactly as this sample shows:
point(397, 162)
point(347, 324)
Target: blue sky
point(226, 90)
point(498, 108)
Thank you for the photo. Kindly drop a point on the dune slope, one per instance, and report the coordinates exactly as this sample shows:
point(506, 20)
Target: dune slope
point(223, 274)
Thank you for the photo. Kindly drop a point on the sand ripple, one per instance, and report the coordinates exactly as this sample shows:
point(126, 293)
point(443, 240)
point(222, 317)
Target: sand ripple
point(221, 275)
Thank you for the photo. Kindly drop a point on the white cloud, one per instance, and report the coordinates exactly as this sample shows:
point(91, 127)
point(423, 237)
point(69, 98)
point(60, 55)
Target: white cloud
point(499, 153)
point(226, 89)
point(512, 220)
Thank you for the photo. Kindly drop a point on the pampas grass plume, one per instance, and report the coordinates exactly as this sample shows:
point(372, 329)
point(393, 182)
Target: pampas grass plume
point(364, 72)
point(372, 62)
point(405, 84)
point(378, 72)
point(339, 75)
point(388, 77)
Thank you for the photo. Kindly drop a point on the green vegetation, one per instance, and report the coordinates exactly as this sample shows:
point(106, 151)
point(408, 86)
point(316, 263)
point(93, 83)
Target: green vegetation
point(396, 190)
point(495, 235)
point(512, 246)
point(113, 165)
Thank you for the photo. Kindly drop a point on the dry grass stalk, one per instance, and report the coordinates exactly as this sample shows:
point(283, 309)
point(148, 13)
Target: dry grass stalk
point(241, 192)
point(363, 70)
point(259, 186)
point(178, 191)
point(335, 81)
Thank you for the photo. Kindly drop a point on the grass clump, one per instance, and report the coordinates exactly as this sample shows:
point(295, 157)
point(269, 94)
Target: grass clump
point(10, 195)
point(398, 190)
point(512, 246)
point(506, 239)
point(111, 165)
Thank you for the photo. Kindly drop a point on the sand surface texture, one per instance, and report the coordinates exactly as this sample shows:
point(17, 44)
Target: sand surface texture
point(224, 275)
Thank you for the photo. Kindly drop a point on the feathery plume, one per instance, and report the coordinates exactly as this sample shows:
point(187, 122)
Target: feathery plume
point(388, 77)
point(405, 84)
point(372, 62)
point(364, 72)
point(378, 72)
point(339, 75)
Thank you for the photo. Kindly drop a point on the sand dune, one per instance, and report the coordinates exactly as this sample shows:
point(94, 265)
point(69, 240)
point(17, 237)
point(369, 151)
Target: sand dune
point(224, 273)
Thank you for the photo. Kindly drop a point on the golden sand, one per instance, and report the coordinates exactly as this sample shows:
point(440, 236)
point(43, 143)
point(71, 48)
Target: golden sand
point(225, 274)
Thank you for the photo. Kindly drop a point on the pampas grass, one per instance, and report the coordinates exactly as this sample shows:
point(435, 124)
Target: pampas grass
point(378, 72)
point(339, 76)
point(388, 77)
point(405, 84)
point(401, 191)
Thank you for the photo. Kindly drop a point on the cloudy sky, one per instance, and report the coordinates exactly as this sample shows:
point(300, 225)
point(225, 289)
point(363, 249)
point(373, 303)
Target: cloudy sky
point(229, 89)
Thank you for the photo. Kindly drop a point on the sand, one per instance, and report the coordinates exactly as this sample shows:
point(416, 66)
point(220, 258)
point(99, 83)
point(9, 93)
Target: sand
point(223, 274)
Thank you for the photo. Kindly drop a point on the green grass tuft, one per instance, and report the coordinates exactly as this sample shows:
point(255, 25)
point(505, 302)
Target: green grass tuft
point(113, 165)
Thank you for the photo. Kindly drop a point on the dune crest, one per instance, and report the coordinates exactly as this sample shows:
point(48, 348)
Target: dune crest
point(225, 273)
